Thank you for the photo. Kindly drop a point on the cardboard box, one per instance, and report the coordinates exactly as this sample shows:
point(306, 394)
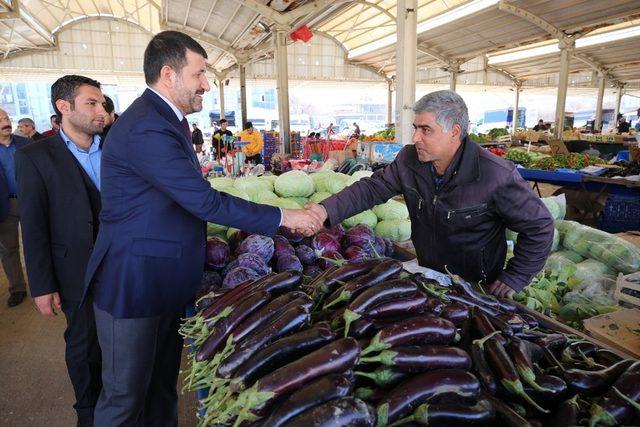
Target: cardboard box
point(340, 155)
point(558, 147)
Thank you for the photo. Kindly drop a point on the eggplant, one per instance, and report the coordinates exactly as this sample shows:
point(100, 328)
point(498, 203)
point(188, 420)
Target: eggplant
point(223, 327)
point(567, 414)
point(381, 272)
point(345, 411)
point(552, 341)
point(456, 313)
point(466, 300)
point(232, 296)
point(413, 304)
point(311, 395)
point(507, 305)
point(553, 389)
point(520, 356)
point(417, 330)
point(290, 321)
point(419, 359)
point(279, 353)
point(620, 403)
point(501, 325)
point(448, 385)
point(530, 334)
point(362, 328)
point(482, 326)
point(274, 308)
point(333, 358)
point(505, 415)
point(515, 322)
point(466, 288)
point(329, 282)
point(482, 369)
point(369, 395)
point(590, 383)
point(435, 305)
point(384, 376)
point(453, 414)
point(606, 357)
point(531, 321)
point(378, 293)
point(505, 371)
point(534, 351)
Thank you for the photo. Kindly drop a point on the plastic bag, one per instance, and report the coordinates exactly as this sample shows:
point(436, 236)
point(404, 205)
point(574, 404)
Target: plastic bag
point(557, 206)
point(591, 270)
point(559, 259)
point(618, 254)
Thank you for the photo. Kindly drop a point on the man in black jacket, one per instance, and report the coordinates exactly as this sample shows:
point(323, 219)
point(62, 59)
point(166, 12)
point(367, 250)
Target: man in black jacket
point(196, 138)
point(460, 199)
point(59, 178)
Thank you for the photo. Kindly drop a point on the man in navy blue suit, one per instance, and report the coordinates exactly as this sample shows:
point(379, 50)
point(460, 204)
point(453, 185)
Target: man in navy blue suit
point(149, 255)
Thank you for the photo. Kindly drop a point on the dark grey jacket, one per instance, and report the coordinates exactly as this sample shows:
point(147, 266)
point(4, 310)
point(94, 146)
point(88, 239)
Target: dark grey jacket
point(461, 226)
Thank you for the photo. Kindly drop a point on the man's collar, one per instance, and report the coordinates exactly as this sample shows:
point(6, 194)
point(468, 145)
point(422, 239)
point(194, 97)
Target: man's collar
point(171, 104)
point(67, 141)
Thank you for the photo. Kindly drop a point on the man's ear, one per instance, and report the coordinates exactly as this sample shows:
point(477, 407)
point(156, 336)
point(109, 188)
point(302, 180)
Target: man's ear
point(167, 76)
point(456, 131)
point(63, 106)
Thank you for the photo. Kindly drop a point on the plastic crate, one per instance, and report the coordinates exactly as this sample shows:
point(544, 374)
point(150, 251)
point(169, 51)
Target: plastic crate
point(621, 213)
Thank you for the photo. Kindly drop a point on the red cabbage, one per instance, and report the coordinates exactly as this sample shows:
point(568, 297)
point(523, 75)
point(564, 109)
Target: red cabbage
point(361, 235)
point(257, 244)
point(251, 261)
point(355, 254)
point(337, 231)
point(237, 276)
point(389, 248)
point(324, 264)
point(288, 262)
point(324, 242)
point(217, 253)
point(292, 236)
point(306, 255)
point(282, 246)
point(236, 238)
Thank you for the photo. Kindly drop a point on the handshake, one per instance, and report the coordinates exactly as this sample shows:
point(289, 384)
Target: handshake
point(307, 221)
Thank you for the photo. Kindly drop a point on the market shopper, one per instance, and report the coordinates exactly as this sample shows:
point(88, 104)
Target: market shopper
point(59, 180)
point(253, 150)
point(196, 138)
point(28, 128)
point(55, 126)
point(222, 137)
point(149, 255)
point(109, 119)
point(540, 126)
point(460, 199)
point(9, 213)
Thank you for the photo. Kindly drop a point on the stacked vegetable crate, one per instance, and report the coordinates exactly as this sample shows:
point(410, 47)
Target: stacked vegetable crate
point(368, 344)
point(270, 147)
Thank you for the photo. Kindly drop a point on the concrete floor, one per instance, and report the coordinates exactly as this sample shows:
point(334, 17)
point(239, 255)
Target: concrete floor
point(35, 389)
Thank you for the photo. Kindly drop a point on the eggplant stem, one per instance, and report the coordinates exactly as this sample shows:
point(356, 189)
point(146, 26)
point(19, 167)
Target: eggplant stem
point(440, 295)
point(599, 415)
point(529, 377)
point(480, 342)
point(344, 296)
point(349, 317)
point(374, 345)
point(402, 421)
point(635, 405)
point(516, 388)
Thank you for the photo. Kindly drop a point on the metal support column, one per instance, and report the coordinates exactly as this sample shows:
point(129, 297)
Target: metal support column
point(389, 101)
point(454, 70)
point(516, 116)
point(243, 92)
point(282, 86)
point(406, 50)
point(565, 58)
point(618, 104)
point(221, 94)
point(598, 123)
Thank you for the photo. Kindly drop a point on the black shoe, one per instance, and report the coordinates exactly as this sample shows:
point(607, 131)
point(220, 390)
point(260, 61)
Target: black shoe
point(16, 298)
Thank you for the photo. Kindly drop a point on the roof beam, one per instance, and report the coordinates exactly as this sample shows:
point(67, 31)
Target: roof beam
point(206, 21)
point(186, 14)
point(202, 36)
point(534, 19)
point(503, 72)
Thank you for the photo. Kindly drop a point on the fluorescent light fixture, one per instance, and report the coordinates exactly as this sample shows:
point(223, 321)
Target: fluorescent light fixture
point(431, 23)
point(600, 38)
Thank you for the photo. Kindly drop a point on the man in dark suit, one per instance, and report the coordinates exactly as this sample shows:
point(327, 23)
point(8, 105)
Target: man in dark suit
point(149, 256)
point(9, 215)
point(196, 138)
point(59, 178)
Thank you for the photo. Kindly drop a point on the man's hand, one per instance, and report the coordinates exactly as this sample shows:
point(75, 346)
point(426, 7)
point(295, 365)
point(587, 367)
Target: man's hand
point(318, 210)
point(501, 290)
point(48, 303)
point(301, 221)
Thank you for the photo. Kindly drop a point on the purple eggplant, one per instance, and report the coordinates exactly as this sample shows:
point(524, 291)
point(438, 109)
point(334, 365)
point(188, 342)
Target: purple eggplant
point(519, 354)
point(552, 389)
point(482, 369)
point(330, 281)
point(532, 322)
point(290, 321)
point(589, 383)
point(606, 357)
point(552, 341)
point(413, 304)
point(435, 305)
point(224, 326)
point(344, 411)
point(422, 358)
point(453, 414)
point(414, 331)
point(466, 300)
point(447, 385)
point(279, 353)
point(456, 313)
point(362, 328)
point(621, 402)
point(465, 287)
point(232, 296)
point(567, 414)
point(505, 415)
point(369, 395)
point(311, 395)
point(378, 293)
point(482, 326)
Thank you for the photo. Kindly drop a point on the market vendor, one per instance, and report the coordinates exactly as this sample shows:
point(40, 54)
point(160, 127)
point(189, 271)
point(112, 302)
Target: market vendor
point(460, 199)
point(253, 150)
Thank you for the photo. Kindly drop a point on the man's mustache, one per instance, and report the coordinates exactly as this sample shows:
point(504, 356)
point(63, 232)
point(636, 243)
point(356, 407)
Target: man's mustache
point(6, 127)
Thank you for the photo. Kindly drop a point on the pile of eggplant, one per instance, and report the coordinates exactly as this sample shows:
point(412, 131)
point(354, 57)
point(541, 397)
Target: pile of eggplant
point(368, 344)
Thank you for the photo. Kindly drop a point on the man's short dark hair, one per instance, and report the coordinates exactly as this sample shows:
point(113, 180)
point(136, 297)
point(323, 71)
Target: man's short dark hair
point(223, 121)
point(66, 88)
point(53, 116)
point(168, 48)
point(248, 125)
point(108, 105)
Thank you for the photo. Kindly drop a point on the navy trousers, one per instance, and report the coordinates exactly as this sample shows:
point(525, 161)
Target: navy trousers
point(140, 365)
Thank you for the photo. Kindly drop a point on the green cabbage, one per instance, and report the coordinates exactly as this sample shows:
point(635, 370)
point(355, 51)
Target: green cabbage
point(396, 230)
point(252, 183)
point(365, 217)
point(299, 200)
point(262, 196)
point(283, 203)
point(220, 183)
point(294, 184)
point(392, 209)
point(213, 229)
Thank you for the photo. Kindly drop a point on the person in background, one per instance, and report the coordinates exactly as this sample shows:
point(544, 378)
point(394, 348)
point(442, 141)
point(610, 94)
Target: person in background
point(253, 150)
point(460, 197)
point(623, 125)
point(55, 126)
point(59, 178)
point(196, 138)
point(27, 128)
point(219, 135)
point(330, 131)
point(147, 262)
point(9, 211)
point(540, 126)
point(356, 130)
point(110, 118)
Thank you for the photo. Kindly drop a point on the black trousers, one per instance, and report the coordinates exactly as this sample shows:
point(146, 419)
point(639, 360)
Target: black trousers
point(141, 361)
point(82, 355)
point(257, 159)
